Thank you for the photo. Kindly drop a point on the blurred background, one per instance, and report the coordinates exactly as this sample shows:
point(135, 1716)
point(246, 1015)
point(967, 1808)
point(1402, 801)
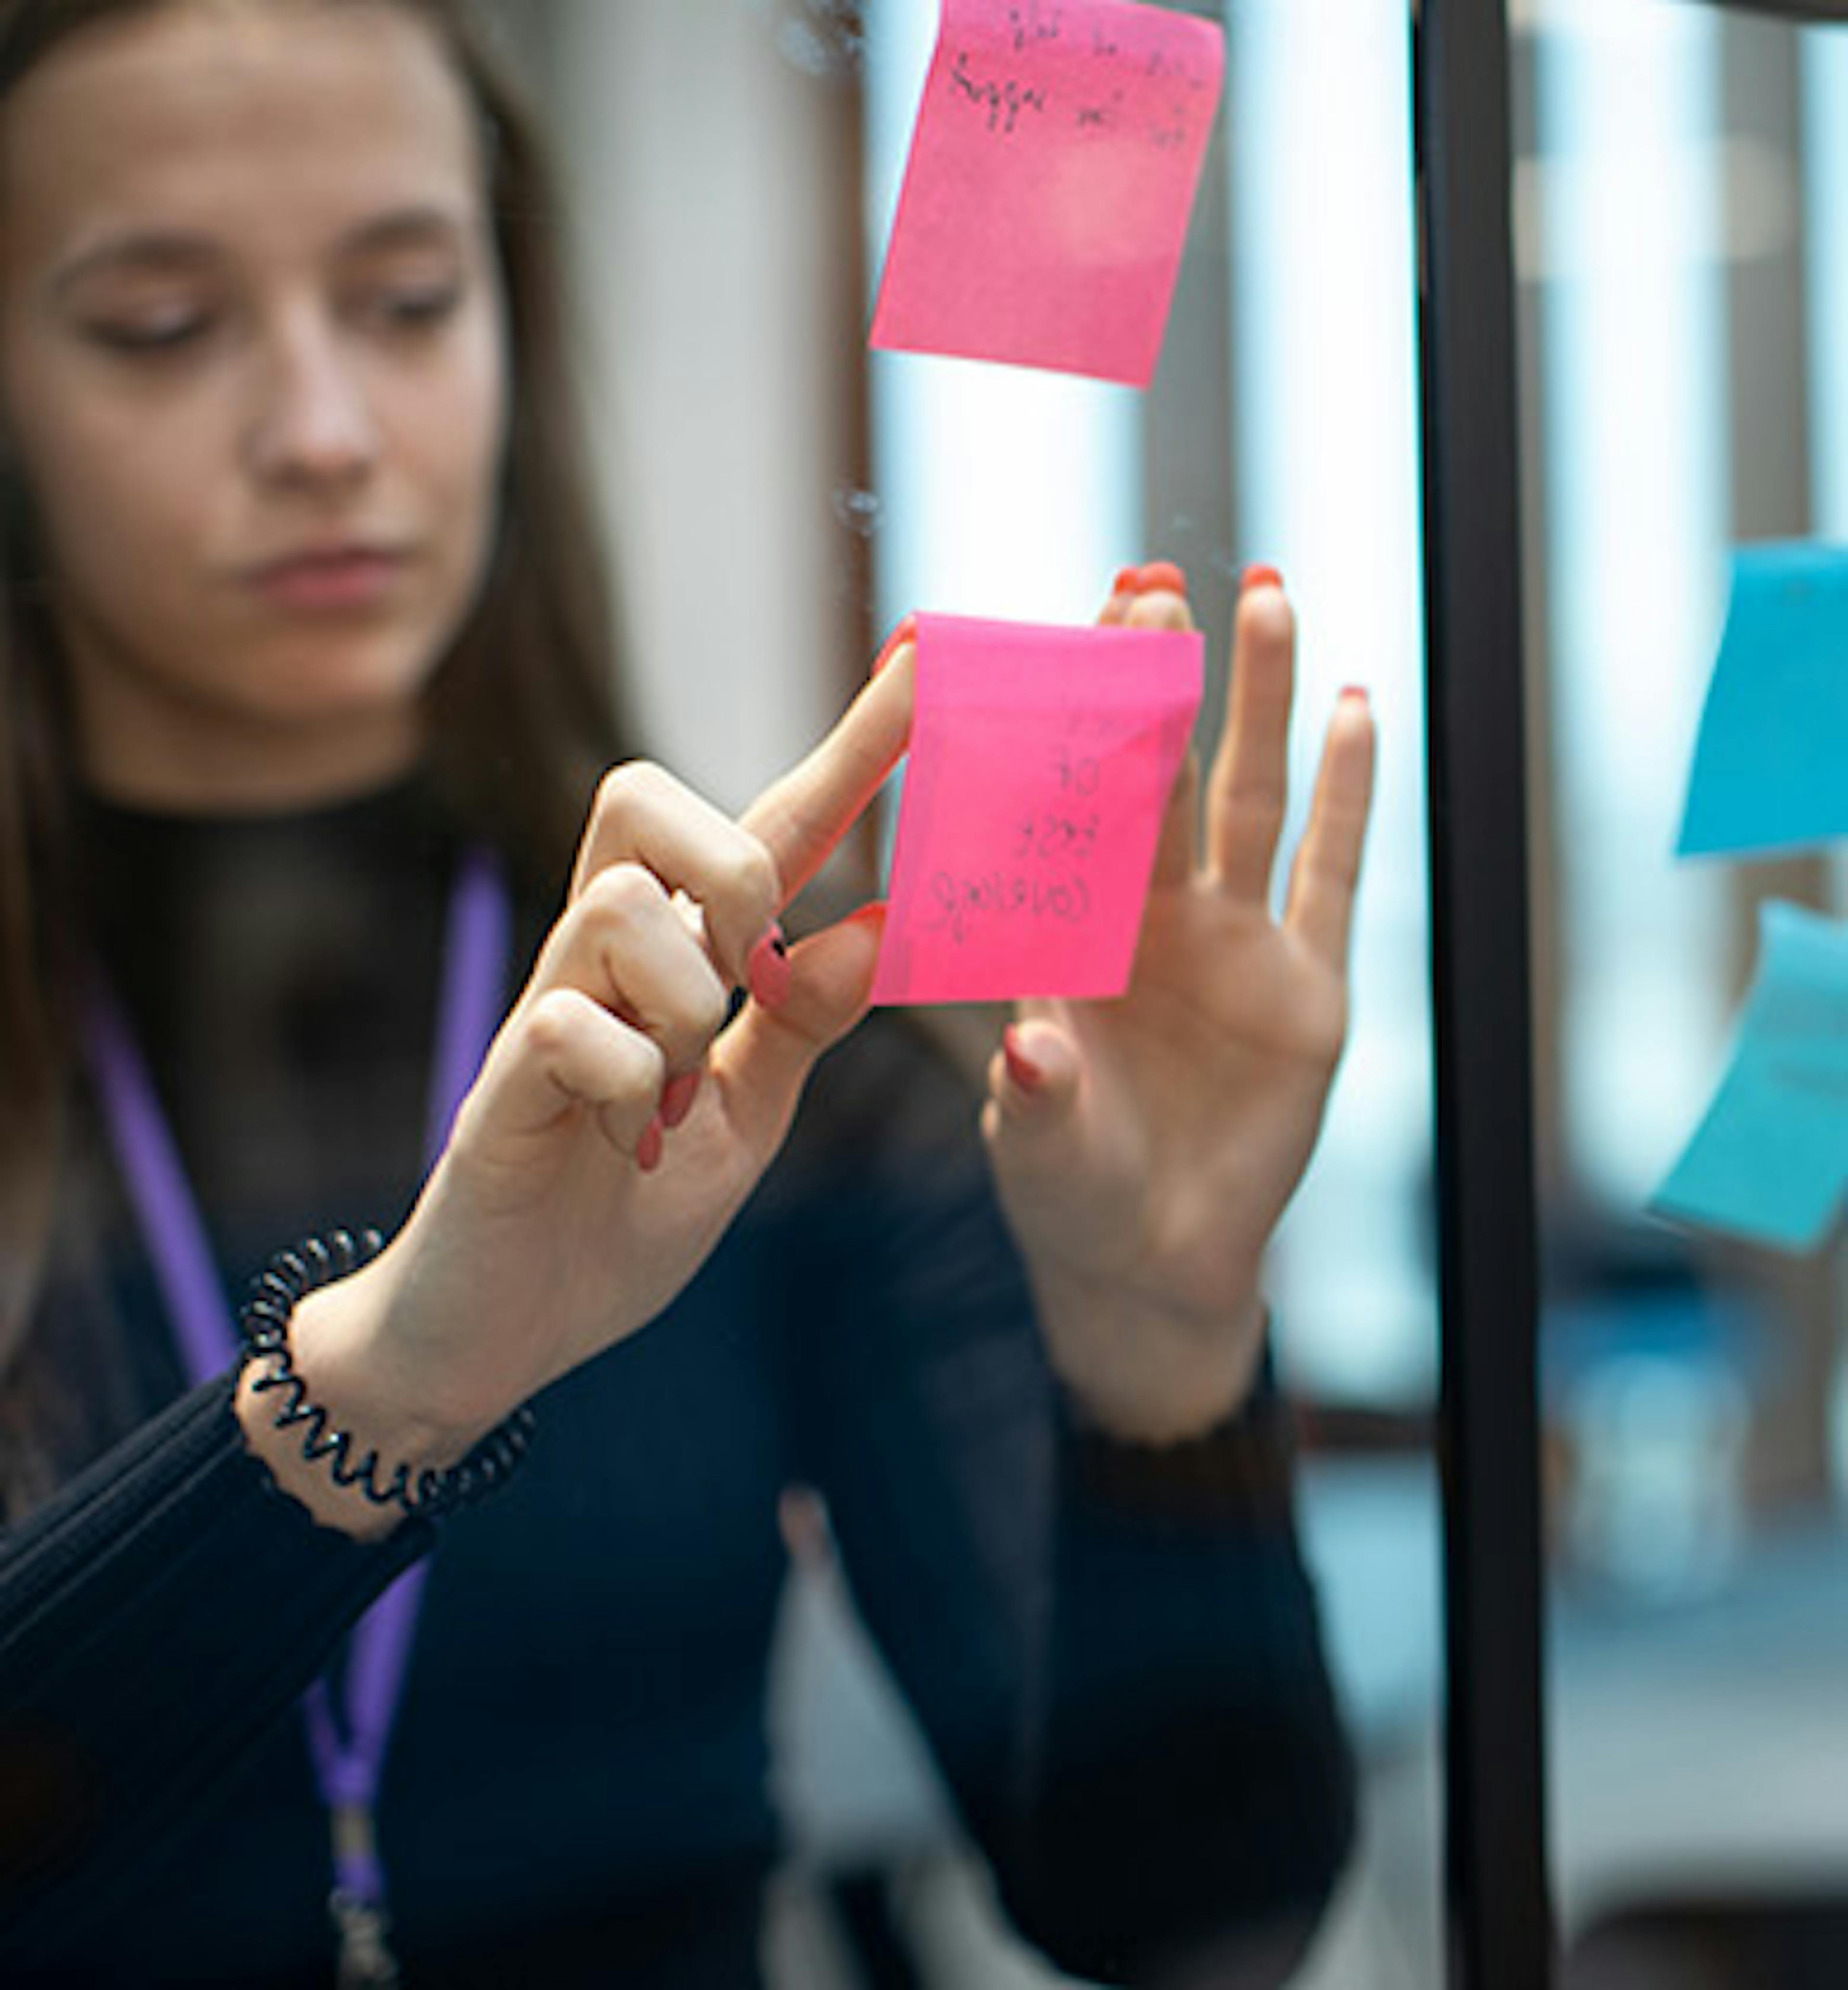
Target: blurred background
point(778, 497)
point(1682, 218)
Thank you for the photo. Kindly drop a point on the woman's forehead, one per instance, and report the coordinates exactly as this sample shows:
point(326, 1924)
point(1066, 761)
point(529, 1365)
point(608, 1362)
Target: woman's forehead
point(269, 118)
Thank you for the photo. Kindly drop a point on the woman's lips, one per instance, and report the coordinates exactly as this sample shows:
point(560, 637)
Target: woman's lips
point(346, 578)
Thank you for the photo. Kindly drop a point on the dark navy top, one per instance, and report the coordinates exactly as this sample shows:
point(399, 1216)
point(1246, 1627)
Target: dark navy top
point(1114, 1652)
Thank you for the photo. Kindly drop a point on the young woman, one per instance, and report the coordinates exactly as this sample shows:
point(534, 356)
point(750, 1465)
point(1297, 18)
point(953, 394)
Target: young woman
point(304, 691)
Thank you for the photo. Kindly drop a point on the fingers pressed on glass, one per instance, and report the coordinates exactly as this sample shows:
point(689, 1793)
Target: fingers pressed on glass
point(1162, 606)
point(800, 817)
point(1159, 607)
point(1176, 850)
point(624, 943)
point(1249, 789)
point(644, 815)
point(1124, 590)
point(1033, 1078)
point(1327, 871)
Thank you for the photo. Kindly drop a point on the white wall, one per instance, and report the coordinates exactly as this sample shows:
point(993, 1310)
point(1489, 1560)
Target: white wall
point(696, 157)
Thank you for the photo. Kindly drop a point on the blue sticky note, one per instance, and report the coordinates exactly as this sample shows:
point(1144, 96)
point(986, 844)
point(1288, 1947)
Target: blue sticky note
point(1771, 763)
point(1770, 1160)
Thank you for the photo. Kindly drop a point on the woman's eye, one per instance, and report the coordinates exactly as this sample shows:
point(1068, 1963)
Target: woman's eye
point(151, 335)
point(417, 310)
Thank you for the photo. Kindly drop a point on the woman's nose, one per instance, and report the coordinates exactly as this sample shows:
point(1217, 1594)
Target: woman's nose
point(314, 422)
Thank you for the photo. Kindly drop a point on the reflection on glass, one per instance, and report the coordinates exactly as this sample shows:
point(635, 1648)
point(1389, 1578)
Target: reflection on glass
point(1681, 266)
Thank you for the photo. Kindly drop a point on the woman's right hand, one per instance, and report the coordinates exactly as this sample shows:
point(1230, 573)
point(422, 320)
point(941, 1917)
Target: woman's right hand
point(616, 1125)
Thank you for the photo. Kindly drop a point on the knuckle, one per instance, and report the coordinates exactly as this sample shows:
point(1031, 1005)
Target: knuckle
point(617, 896)
point(625, 791)
point(552, 1022)
point(1258, 794)
point(645, 1066)
point(709, 1008)
point(613, 792)
point(683, 1036)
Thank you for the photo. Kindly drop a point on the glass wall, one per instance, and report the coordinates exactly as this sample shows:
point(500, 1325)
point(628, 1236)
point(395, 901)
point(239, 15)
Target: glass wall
point(1681, 213)
point(1680, 205)
point(760, 464)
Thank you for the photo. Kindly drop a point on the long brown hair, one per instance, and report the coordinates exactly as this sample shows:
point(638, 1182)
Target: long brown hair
point(524, 707)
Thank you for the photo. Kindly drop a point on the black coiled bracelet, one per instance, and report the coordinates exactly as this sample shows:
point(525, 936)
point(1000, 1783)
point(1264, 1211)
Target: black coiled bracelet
point(275, 1293)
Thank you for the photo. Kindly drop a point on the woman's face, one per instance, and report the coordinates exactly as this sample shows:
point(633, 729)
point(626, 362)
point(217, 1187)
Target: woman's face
point(252, 362)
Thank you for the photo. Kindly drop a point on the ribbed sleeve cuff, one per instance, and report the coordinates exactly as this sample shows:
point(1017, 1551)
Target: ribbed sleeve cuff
point(158, 1614)
point(1240, 1471)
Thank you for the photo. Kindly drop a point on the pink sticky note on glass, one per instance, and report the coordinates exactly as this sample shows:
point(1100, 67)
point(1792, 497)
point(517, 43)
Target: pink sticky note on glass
point(1041, 760)
point(1052, 172)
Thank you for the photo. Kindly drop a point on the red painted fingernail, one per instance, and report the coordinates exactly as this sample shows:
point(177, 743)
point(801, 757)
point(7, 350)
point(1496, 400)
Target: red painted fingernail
point(906, 631)
point(1259, 576)
point(676, 1098)
point(648, 1148)
point(1021, 1069)
point(1161, 574)
point(1354, 690)
point(1128, 581)
point(768, 970)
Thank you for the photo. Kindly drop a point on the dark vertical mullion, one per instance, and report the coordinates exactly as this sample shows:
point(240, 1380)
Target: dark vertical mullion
point(1189, 500)
point(1501, 1935)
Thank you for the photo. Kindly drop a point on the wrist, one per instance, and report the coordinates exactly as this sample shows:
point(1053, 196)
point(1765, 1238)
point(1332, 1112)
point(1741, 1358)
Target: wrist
point(345, 1349)
point(334, 1413)
point(343, 1508)
point(1141, 1373)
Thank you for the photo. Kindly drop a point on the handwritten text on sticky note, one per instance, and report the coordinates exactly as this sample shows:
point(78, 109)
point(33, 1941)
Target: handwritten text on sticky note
point(1770, 767)
point(1770, 1161)
point(1042, 761)
point(1053, 166)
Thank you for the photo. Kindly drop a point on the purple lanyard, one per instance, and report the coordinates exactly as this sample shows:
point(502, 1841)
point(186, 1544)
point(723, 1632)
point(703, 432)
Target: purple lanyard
point(474, 971)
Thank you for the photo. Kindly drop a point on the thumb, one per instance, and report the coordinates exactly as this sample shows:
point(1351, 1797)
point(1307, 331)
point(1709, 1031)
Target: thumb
point(1033, 1085)
point(764, 1059)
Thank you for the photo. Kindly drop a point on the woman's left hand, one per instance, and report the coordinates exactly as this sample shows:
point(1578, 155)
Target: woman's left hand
point(1146, 1146)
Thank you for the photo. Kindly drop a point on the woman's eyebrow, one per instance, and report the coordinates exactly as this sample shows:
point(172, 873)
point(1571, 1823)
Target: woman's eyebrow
point(165, 252)
point(159, 253)
point(407, 227)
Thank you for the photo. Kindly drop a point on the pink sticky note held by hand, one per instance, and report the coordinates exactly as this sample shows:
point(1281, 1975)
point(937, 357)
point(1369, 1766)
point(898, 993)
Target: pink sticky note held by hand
point(1042, 762)
point(1052, 172)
